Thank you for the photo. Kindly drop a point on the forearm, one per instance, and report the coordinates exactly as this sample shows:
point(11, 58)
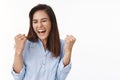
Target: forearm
point(66, 58)
point(69, 41)
point(18, 62)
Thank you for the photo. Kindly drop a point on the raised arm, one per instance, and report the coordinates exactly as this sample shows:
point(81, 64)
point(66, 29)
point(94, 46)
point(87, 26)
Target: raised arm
point(65, 62)
point(69, 41)
point(19, 46)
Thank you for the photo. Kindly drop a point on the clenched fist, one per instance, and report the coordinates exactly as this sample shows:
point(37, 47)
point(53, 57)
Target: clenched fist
point(20, 43)
point(69, 41)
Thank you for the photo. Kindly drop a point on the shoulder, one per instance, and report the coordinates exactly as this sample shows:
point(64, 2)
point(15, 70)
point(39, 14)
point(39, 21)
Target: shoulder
point(29, 44)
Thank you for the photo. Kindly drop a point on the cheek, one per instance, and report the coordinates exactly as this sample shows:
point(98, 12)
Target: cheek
point(34, 28)
point(49, 28)
point(33, 25)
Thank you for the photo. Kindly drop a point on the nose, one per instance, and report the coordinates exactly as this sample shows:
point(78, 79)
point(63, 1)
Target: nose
point(39, 24)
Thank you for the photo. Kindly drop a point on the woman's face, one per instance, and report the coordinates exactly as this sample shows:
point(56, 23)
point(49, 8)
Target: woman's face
point(41, 24)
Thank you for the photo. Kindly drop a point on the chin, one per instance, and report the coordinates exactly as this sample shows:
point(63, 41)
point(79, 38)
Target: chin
point(42, 38)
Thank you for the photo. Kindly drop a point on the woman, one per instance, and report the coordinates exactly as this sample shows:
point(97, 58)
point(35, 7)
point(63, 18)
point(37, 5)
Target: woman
point(42, 55)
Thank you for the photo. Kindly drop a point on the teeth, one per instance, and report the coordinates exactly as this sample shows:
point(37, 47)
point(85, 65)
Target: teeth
point(41, 30)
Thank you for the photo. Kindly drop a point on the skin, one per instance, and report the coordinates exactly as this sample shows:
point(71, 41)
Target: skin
point(41, 21)
point(69, 42)
point(19, 46)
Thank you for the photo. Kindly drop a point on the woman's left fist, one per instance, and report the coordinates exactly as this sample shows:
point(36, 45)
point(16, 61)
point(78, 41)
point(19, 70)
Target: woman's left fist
point(69, 42)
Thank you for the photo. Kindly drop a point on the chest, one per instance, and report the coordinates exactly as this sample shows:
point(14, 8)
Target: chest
point(36, 59)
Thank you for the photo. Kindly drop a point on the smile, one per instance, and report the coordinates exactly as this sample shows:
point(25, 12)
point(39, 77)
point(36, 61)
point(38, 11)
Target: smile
point(41, 31)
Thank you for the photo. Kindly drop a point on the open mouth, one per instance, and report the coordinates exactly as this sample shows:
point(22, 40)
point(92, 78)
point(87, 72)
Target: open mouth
point(41, 31)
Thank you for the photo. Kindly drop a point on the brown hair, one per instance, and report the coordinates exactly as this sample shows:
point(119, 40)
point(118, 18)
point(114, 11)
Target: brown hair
point(53, 42)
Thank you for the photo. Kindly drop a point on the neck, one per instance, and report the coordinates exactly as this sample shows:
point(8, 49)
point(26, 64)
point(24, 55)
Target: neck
point(44, 42)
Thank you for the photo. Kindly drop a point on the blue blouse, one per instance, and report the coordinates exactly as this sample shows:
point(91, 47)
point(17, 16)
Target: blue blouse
point(40, 64)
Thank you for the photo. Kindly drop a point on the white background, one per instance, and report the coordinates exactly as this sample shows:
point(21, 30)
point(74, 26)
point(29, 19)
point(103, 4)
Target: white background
point(94, 23)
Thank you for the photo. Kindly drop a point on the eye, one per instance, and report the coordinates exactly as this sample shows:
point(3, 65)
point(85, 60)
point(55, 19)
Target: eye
point(44, 20)
point(34, 21)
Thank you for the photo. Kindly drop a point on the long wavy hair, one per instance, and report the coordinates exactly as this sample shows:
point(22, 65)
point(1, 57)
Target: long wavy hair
point(53, 42)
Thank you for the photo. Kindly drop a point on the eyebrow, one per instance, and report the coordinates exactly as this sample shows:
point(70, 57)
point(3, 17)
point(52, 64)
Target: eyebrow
point(41, 19)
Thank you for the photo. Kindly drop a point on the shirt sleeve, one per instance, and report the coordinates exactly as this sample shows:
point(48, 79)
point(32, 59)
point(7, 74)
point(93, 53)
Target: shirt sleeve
point(63, 70)
point(18, 76)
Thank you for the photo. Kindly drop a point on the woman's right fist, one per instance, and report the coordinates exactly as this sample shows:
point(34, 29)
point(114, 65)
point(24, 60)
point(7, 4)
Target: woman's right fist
point(20, 43)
